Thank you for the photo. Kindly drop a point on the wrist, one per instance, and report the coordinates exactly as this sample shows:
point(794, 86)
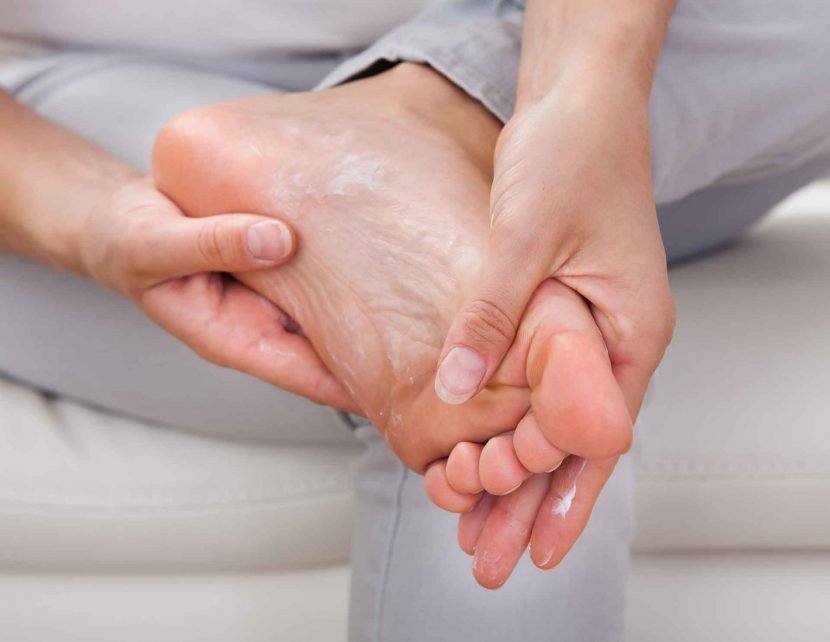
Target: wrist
point(597, 41)
point(53, 226)
point(50, 180)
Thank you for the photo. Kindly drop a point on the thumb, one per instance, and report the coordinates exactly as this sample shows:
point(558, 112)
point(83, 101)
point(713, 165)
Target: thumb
point(220, 243)
point(484, 329)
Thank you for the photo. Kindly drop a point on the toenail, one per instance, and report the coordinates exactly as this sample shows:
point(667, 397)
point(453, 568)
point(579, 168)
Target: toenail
point(269, 241)
point(555, 467)
point(507, 492)
point(546, 559)
point(459, 376)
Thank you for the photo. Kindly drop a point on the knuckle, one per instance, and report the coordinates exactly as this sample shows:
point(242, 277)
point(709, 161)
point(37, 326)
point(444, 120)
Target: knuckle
point(126, 256)
point(485, 322)
point(510, 236)
point(130, 249)
point(505, 200)
point(210, 245)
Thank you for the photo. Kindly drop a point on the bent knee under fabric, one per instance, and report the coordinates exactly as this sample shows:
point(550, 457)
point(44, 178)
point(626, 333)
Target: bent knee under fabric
point(411, 582)
point(72, 337)
point(707, 219)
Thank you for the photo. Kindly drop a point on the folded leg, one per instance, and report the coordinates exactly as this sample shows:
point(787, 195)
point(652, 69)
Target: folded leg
point(409, 585)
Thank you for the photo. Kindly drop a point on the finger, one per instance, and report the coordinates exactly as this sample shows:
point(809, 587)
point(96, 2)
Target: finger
point(500, 469)
point(230, 325)
point(507, 531)
point(462, 468)
point(471, 524)
point(180, 246)
point(443, 495)
point(289, 362)
point(565, 511)
point(484, 330)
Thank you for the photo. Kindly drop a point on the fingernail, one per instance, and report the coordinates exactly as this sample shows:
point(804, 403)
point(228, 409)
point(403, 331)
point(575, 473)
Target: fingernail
point(459, 376)
point(269, 241)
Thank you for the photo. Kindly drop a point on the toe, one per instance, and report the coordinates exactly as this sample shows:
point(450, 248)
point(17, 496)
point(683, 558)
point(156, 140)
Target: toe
point(443, 495)
point(472, 523)
point(566, 508)
point(533, 449)
point(576, 400)
point(500, 469)
point(507, 531)
point(462, 468)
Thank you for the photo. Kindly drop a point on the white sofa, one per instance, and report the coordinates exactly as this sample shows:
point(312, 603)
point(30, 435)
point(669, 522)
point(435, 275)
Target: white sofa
point(115, 530)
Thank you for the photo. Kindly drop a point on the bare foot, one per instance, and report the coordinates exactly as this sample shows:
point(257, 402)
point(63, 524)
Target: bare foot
point(548, 511)
point(386, 182)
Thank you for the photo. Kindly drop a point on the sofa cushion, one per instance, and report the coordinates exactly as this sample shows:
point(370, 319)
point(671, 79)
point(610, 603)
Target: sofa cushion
point(82, 489)
point(735, 444)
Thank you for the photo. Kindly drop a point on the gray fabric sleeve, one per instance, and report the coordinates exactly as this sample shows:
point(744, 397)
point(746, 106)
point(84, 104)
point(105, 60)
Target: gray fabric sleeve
point(474, 44)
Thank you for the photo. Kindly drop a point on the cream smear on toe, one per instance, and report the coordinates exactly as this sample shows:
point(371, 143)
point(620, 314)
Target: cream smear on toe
point(563, 503)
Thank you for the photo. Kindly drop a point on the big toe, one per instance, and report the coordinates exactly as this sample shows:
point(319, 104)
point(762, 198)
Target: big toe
point(576, 400)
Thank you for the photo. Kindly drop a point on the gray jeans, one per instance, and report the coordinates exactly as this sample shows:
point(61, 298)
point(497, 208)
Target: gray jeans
point(740, 118)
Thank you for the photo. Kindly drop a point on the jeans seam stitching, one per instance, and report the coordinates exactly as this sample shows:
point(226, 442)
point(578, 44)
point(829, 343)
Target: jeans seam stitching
point(387, 562)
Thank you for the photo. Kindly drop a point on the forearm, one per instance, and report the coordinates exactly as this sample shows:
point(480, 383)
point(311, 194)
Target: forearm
point(591, 41)
point(49, 180)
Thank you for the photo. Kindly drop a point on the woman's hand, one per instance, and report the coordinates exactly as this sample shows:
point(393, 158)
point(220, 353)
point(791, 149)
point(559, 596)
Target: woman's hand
point(571, 200)
point(572, 196)
point(70, 204)
point(137, 242)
